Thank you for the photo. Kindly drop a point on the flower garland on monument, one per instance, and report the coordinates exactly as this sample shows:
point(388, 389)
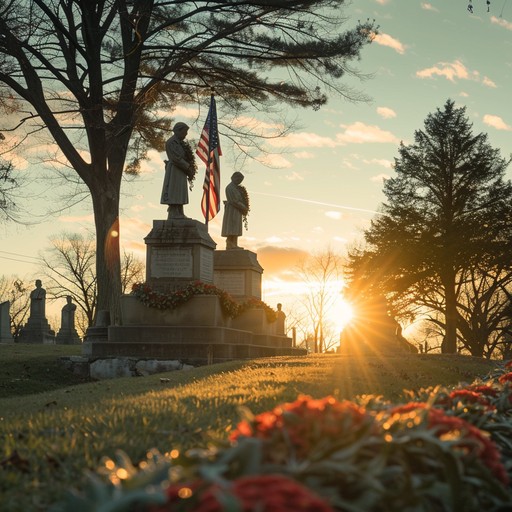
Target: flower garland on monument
point(173, 300)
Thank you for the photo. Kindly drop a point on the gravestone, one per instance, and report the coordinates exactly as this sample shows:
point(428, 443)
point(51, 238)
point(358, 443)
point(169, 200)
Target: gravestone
point(37, 329)
point(67, 334)
point(281, 320)
point(5, 323)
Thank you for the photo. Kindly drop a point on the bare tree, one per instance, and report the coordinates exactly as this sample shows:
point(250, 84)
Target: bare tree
point(100, 77)
point(9, 185)
point(132, 271)
point(16, 292)
point(68, 266)
point(321, 274)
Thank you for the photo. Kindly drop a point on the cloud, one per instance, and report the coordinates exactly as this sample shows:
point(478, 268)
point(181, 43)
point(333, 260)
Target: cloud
point(450, 70)
point(464, 94)
point(501, 22)
point(359, 133)
point(454, 71)
point(134, 246)
point(379, 178)
point(303, 155)
point(428, 7)
point(382, 2)
point(258, 126)
point(294, 176)
point(333, 215)
point(386, 112)
point(189, 113)
point(277, 260)
point(275, 161)
point(303, 140)
point(391, 42)
point(380, 161)
point(496, 122)
point(487, 81)
point(77, 218)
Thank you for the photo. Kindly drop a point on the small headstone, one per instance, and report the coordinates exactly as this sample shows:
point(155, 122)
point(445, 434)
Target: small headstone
point(37, 329)
point(5, 323)
point(280, 321)
point(67, 334)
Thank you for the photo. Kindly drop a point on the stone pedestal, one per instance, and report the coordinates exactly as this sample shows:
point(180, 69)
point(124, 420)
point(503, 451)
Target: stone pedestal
point(238, 272)
point(37, 331)
point(5, 323)
point(179, 251)
point(67, 337)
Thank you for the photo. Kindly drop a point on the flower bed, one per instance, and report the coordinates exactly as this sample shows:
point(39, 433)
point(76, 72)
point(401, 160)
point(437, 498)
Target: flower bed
point(444, 450)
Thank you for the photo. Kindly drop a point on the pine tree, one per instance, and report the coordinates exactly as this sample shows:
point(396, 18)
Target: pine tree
point(448, 208)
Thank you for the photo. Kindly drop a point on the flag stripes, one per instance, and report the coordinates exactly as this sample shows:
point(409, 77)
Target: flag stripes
point(208, 150)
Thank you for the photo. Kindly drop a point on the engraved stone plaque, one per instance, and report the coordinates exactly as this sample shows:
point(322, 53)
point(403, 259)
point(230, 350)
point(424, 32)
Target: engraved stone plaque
point(206, 265)
point(172, 262)
point(256, 284)
point(233, 281)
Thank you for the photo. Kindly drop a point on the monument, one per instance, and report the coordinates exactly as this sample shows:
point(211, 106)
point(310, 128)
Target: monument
point(5, 323)
point(198, 304)
point(67, 334)
point(37, 329)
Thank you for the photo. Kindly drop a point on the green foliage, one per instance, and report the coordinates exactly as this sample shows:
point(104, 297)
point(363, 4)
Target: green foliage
point(415, 456)
point(48, 439)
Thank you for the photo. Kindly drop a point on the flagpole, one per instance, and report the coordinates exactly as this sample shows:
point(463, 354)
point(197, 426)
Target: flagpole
point(208, 165)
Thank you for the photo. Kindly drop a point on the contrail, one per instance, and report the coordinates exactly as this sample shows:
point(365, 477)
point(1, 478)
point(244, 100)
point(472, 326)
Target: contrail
point(319, 203)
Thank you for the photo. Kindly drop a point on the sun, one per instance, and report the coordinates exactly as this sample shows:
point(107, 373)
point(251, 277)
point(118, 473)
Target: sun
point(341, 314)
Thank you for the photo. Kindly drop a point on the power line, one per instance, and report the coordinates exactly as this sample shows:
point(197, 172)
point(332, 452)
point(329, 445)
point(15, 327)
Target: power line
point(22, 255)
point(36, 260)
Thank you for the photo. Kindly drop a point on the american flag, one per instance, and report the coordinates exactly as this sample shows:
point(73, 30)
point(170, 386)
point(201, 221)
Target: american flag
point(208, 150)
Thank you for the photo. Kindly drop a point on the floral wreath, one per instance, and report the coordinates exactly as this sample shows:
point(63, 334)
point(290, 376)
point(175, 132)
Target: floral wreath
point(230, 307)
point(245, 199)
point(190, 158)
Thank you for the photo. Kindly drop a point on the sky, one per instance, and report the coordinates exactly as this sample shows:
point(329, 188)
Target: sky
point(320, 186)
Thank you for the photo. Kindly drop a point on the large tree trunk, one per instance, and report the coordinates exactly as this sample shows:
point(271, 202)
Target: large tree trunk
point(449, 345)
point(105, 201)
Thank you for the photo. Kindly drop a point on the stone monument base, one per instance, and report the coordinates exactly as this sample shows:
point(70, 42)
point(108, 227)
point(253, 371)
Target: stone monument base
point(67, 337)
point(190, 345)
point(197, 332)
point(36, 336)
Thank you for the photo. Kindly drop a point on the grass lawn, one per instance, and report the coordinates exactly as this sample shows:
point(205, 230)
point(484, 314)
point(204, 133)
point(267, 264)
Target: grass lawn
point(53, 427)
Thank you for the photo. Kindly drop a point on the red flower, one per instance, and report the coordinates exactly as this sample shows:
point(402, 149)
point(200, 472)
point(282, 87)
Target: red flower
point(507, 377)
point(407, 408)
point(303, 424)
point(261, 493)
point(484, 389)
point(508, 365)
point(469, 396)
point(465, 438)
